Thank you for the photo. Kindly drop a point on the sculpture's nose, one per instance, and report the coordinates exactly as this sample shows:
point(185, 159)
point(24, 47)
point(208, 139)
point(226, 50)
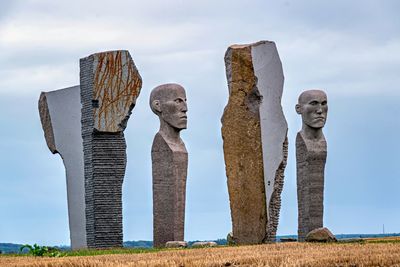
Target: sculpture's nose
point(184, 107)
point(319, 109)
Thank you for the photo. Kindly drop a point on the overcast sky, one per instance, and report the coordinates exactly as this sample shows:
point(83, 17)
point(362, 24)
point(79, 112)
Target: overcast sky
point(350, 49)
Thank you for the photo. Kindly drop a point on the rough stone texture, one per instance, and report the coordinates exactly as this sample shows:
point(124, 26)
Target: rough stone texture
point(110, 85)
point(176, 244)
point(311, 153)
point(204, 244)
point(311, 158)
point(47, 126)
point(320, 235)
point(60, 114)
point(116, 85)
point(169, 164)
point(169, 191)
point(254, 132)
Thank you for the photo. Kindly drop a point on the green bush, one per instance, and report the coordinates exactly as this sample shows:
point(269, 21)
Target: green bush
point(40, 251)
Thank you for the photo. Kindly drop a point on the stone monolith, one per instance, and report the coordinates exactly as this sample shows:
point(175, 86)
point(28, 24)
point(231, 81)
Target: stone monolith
point(169, 164)
point(110, 85)
point(311, 153)
point(60, 114)
point(254, 132)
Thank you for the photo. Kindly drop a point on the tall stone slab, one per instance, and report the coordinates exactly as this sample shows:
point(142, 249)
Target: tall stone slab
point(110, 85)
point(60, 114)
point(311, 154)
point(254, 132)
point(169, 164)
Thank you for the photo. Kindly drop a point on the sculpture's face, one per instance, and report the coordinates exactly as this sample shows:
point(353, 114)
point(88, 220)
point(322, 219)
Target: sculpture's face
point(173, 108)
point(313, 107)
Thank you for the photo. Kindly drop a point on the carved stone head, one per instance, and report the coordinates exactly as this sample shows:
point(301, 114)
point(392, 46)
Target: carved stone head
point(313, 108)
point(168, 102)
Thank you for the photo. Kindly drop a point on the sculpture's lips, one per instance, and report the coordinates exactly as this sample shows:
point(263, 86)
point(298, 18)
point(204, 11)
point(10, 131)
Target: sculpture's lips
point(184, 117)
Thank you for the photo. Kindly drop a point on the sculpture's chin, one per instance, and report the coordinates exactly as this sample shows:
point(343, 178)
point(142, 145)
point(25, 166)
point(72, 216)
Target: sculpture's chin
point(316, 125)
point(179, 126)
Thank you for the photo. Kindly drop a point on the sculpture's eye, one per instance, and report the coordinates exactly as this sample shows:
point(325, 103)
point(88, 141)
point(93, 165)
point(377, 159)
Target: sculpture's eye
point(313, 102)
point(324, 103)
point(178, 100)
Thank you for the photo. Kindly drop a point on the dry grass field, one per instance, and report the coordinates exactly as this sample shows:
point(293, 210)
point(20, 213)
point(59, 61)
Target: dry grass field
point(386, 253)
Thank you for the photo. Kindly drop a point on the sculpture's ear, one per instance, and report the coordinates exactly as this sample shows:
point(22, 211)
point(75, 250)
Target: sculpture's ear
point(298, 109)
point(156, 106)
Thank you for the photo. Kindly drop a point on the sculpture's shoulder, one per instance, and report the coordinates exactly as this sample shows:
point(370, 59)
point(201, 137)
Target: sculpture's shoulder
point(160, 143)
point(310, 148)
point(299, 139)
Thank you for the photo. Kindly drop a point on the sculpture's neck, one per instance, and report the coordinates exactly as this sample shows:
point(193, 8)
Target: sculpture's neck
point(313, 134)
point(170, 133)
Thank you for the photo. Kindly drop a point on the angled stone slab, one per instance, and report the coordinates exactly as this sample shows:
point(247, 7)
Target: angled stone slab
point(60, 114)
point(254, 132)
point(269, 73)
point(110, 85)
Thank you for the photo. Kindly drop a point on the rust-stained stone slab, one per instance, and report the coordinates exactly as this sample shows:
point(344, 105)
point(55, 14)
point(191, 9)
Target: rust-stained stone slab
point(116, 86)
point(110, 85)
point(255, 145)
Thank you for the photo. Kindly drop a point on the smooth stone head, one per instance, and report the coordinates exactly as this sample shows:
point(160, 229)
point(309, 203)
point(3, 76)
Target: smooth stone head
point(313, 107)
point(168, 102)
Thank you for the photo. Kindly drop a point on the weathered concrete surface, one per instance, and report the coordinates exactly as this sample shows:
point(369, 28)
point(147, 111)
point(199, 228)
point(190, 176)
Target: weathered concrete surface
point(60, 114)
point(320, 235)
point(311, 154)
point(255, 143)
point(169, 164)
point(110, 85)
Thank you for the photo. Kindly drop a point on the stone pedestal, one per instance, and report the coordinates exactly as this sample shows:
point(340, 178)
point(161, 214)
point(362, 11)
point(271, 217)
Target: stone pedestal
point(169, 190)
point(254, 131)
point(311, 158)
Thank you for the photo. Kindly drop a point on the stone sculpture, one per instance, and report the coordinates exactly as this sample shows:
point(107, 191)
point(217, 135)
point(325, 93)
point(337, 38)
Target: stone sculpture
point(311, 152)
point(254, 132)
point(169, 164)
point(110, 85)
point(85, 125)
point(60, 114)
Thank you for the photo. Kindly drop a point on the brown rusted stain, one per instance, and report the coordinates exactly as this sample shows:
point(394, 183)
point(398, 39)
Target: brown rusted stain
point(117, 84)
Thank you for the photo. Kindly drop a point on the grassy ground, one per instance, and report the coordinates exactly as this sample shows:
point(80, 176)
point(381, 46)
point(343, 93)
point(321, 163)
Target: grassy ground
point(370, 252)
